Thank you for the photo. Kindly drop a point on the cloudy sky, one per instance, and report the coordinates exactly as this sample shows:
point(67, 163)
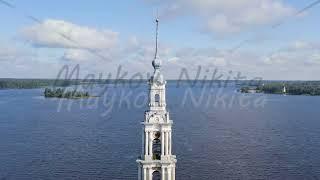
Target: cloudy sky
point(271, 39)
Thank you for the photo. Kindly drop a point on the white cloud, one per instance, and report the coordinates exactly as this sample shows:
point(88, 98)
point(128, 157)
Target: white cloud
point(228, 16)
point(11, 53)
point(19, 62)
point(135, 55)
point(7, 53)
point(286, 63)
point(298, 53)
point(62, 34)
point(78, 55)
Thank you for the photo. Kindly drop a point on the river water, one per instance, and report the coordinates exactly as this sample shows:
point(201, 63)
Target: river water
point(218, 133)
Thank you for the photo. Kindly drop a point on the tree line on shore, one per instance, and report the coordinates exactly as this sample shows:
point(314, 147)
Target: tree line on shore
point(290, 88)
point(9, 83)
point(34, 83)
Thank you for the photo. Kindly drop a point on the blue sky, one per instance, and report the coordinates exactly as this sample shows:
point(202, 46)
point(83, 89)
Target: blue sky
point(192, 32)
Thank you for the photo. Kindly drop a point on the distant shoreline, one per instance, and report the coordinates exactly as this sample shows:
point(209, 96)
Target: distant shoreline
point(288, 88)
point(12, 83)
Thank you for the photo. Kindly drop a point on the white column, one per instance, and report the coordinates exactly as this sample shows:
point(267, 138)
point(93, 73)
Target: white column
point(170, 143)
point(150, 98)
point(167, 143)
point(169, 173)
point(150, 143)
point(150, 173)
point(164, 94)
point(139, 172)
point(162, 143)
point(143, 143)
point(146, 143)
point(163, 173)
point(173, 173)
point(144, 173)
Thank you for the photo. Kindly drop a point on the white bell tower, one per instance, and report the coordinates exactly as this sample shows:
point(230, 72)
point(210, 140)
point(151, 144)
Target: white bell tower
point(156, 161)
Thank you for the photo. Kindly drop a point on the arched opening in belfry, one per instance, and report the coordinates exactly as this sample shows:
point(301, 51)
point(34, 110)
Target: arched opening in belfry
point(157, 99)
point(156, 175)
point(156, 146)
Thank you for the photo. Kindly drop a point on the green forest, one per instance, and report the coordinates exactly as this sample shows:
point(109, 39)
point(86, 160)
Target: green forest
point(34, 83)
point(41, 83)
point(311, 88)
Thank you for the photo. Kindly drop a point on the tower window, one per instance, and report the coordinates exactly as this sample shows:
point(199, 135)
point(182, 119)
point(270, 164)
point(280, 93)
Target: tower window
point(157, 98)
point(156, 146)
point(156, 175)
point(157, 135)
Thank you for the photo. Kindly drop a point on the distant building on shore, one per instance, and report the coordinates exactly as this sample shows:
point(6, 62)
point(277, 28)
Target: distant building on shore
point(284, 91)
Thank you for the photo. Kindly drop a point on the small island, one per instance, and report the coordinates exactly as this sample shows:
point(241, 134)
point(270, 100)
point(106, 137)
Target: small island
point(61, 93)
point(291, 88)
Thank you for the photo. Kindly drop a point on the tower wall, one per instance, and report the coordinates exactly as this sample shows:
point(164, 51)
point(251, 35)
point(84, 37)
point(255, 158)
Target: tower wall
point(156, 159)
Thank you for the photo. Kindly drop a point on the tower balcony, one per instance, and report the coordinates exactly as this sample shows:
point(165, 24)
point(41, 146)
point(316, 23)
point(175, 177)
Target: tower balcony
point(158, 117)
point(157, 104)
point(169, 159)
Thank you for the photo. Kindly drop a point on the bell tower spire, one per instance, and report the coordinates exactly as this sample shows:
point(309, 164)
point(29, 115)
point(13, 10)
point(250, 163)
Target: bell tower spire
point(157, 161)
point(156, 63)
point(157, 28)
